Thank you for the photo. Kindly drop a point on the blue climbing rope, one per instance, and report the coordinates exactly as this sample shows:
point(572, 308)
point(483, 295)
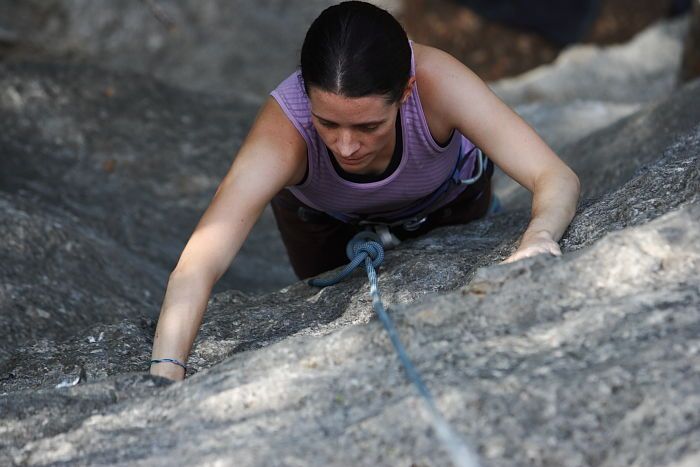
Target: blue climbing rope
point(365, 247)
point(359, 250)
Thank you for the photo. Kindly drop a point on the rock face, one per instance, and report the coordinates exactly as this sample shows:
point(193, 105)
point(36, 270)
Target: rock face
point(607, 158)
point(588, 359)
point(587, 72)
point(589, 89)
point(59, 275)
point(221, 39)
point(105, 174)
point(566, 361)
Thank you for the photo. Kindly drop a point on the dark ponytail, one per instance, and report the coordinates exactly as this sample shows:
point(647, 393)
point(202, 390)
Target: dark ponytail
point(356, 49)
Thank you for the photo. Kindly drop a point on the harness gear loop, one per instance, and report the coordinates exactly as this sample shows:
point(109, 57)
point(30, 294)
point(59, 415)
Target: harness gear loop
point(481, 163)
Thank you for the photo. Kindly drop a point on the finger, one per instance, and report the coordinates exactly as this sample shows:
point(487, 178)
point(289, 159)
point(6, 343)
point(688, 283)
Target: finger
point(555, 249)
point(517, 256)
point(533, 251)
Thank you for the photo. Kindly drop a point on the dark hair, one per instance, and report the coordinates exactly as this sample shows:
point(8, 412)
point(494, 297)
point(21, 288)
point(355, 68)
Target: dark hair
point(356, 49)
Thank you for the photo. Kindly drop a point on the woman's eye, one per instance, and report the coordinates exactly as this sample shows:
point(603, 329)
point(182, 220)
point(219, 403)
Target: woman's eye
point(370, 127)
point(329, 124)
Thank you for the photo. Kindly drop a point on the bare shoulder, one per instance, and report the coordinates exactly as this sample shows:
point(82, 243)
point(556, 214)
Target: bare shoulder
point(443, 84)
point(273, 125)
point(434, 66)
point(274, 139)
point(427, 56)
point(450, 92)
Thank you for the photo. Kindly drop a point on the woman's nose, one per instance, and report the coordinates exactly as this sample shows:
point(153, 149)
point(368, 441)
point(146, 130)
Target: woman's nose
point(347, 145)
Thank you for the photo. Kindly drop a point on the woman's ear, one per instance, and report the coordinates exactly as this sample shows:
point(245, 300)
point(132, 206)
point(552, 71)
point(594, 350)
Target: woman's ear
point(409, 88)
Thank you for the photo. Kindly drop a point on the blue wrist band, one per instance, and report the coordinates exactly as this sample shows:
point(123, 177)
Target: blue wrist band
point(170, 360)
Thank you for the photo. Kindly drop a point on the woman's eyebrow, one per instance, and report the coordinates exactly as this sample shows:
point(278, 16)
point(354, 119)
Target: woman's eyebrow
point(378, 122)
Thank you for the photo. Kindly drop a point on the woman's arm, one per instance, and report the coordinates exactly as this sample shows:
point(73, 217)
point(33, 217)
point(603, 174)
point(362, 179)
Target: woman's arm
point(454, 97)
point(272, 156)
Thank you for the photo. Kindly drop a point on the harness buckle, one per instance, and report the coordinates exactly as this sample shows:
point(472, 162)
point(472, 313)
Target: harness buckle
point(389, 240)
point(414, 224)
point(382, 233)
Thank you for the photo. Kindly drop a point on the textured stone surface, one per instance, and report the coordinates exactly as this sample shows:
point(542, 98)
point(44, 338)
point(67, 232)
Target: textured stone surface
point(592, 369)
point(589, 89)
point(102, 144)
point(616, 73)
point(240, 48)
point(560, 124)
point(608, 157)
point(588, 359)
point(548, 361)
point(221, 39)
point(58, 276)
point(103, 176)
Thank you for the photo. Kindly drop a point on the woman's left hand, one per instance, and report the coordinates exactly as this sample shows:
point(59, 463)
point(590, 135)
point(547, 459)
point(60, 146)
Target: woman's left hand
point(535, 244)
point(455, 98)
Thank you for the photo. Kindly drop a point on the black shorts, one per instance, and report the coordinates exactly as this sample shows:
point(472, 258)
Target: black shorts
point(315, 241)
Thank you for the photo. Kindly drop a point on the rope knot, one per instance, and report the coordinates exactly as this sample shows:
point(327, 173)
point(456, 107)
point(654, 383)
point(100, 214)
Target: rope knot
point(365, 247)
point(371, 249)
point(366, 242)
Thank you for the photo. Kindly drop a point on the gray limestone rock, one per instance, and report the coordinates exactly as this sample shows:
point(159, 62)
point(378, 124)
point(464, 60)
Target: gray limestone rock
point(136, 160)
point(237, 322)
point(608, 158)
point(591, 359)
point(567, 361)
point(240, 48)
point(643, 70)
point(562, 124)
point(103, 177)
point(58, 276)
point(588, 359)
point(591, 88)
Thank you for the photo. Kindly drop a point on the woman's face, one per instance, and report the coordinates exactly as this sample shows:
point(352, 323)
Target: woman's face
point(359, 131)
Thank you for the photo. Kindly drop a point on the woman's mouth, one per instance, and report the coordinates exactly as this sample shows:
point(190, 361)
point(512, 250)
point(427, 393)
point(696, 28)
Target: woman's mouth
point(352, 160)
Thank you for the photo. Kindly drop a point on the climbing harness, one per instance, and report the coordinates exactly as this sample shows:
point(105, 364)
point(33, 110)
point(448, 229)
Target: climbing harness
point(366, 247)
point(415, 218)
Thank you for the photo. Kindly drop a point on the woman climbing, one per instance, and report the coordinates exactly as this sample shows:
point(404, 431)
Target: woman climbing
point(373, 130)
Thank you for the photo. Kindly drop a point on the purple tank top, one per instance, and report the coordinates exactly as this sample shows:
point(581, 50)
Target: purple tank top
point(424, 166)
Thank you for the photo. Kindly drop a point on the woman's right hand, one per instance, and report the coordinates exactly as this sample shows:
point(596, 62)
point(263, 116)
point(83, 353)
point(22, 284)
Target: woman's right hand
point(272, 156)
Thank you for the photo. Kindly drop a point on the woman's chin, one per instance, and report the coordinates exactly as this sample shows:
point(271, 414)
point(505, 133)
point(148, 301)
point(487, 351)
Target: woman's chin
point(353, 166)
point(354, 169)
